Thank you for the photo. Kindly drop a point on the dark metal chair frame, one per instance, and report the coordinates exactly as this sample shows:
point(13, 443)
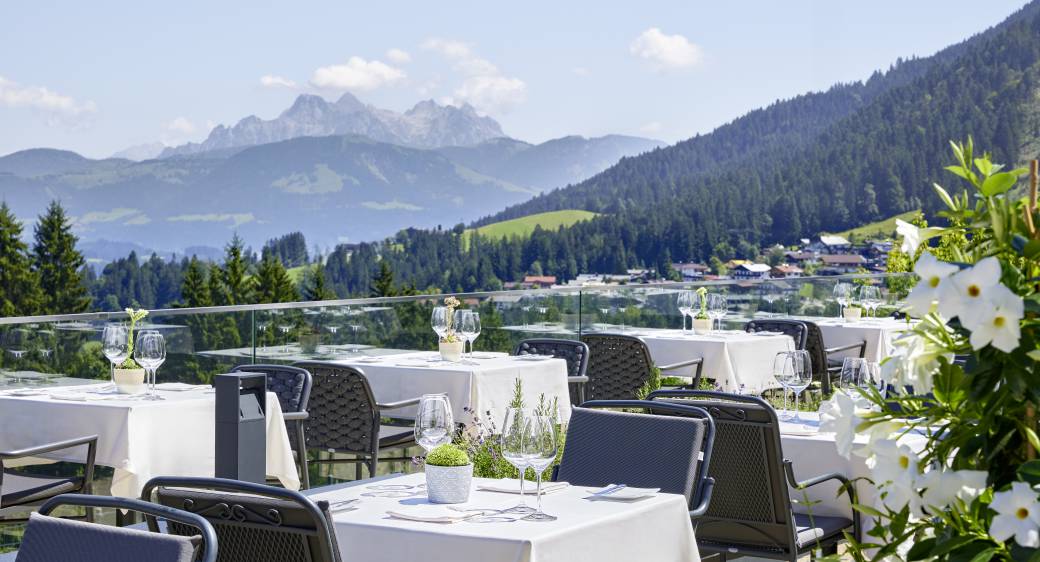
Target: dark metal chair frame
point(294, 416)
point(700, 497)
point(150, 510)
point(231, 513)
point(819, 353)
point(634, 343)
point(369, 455)
point(726, 409)
point(576, 366)
point(86, 487)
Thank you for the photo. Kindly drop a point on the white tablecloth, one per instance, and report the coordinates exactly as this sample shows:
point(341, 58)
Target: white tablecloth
point(731, 359)
point(657, 529)
point(816, 454)
point(877, 332)
point(483, 387)
point(139, 439)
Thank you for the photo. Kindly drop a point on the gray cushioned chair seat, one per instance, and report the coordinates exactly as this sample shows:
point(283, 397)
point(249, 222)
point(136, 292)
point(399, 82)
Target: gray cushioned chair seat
point(48, 539)
point(818, 528)
point(8, 556)
point(19, 488)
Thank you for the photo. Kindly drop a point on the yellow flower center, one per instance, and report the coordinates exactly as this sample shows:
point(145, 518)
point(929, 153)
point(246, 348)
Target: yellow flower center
point(974, 291)
point(998, 321)
point(904, 462)
point(1022, 513)
point(934, 282)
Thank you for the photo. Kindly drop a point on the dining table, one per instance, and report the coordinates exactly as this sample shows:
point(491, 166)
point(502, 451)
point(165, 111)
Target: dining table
point(481, 386)
point(373, 525)
point(138, 437)
point(878, 334)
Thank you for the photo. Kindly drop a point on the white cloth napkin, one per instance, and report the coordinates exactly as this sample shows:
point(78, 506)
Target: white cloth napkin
point(430, 513)
point(512, 486)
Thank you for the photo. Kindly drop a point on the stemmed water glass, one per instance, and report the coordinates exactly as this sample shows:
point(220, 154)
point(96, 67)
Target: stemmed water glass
point(467, 325)
point(285, 329)
point(516, 431)
point(854, 373)
point(440, 321)
point(433, 421)
point(800, 378)
point(782, 374)
point(114, 343)
point(150, 353)
point(843, 294)
point(540, 452)
point(718, 306)
point(684, 300)
point(870, 298)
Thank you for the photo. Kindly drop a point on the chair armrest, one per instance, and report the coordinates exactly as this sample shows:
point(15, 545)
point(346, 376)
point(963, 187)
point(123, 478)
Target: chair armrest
point(295, 416)
point(831, 350)
point(576, 379)
point(398, 404)
point(674, 366)
point(845, 483)
point(90, 441)
point(702, 508)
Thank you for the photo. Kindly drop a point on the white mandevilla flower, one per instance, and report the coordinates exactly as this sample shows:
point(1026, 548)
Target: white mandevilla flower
point(913, 362)
point(1018, 515)
point(942, 487)
point(998, 322)
point(966, 293)
point(913, 236)
point(839, 416)
point(878, 433)
point(895, 471)
point(932, 273)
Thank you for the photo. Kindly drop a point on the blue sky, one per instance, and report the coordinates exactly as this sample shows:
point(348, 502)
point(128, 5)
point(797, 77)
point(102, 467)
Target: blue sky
point(97, 77)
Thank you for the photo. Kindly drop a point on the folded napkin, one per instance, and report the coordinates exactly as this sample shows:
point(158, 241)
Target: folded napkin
point(625, 493)
point(796, 429)
point(486, 355)
point(24, 392)
point(512, 486)
point(534, 357)
point(78, 396)
point(764, 333)
point(430, 513)
point(180, 386)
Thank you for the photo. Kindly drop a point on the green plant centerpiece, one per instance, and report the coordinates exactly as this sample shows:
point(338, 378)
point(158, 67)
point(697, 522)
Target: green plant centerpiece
point(449, 474)
point(128, 376)
point(953, 451)
point(450, 344)
point(701, 320)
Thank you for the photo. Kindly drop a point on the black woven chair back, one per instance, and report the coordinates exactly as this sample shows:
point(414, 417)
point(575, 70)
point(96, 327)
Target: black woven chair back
point(253, 522)
point(576, 353)
point(817, 350)
point(640, 450)
point(292, 385)
point(750, 504)
point(618, 368)
point(343, 414)
point(794, 328)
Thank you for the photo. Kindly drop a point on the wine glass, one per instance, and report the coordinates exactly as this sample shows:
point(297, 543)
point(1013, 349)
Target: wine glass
point(262, 336)
point(684, 300)
point(718, 306)
point(150, 353)
point(114, 343)
point(433, 421)
point(472, 329)
point(801, 377)
point(440, 322)
point(464, 328)
point(285, 329)
point(540, 452)
point(782, 374)
point(515, 434)
point(870, 297)
point(874, 376)
point(842, 293)
point(854, 373)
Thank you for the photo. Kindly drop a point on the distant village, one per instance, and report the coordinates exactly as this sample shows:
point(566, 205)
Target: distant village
point(827, 255)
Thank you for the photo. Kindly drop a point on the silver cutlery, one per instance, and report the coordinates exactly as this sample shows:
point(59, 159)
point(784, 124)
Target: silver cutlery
point(610, 490)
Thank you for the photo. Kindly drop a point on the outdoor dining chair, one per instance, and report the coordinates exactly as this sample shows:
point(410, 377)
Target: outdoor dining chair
point(344, 417)
point(826, 361)
point(292, 386)
point(751, 513)
point(253, 522)
point(49, 539)
point(21, 491)
point(796, 329)
point(671, 452)
point(574, 352)
point(620, 366)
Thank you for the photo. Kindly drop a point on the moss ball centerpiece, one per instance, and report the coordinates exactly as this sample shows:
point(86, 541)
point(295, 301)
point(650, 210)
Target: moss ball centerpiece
point(449, 475)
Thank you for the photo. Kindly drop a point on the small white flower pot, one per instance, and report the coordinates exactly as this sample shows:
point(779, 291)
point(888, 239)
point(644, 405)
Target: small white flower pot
point(853, 314)
point(701, 325)
point(448, 484)
point(129, 381)
point(451, 351)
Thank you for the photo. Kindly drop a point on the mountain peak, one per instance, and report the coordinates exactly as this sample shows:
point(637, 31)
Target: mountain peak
point(348, 103)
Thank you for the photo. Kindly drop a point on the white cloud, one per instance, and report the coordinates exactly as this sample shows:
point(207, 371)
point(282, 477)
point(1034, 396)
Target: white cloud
point(651, 128)
point(13, 94)
point(398, 56)
point(107, 216)
point(581, 71)
point(357, 74)
point(665, 51)
point(138, 220)
point(273, 81)
point(483, 84)
point(181, 126)
point(236, 219)
point(394, 205)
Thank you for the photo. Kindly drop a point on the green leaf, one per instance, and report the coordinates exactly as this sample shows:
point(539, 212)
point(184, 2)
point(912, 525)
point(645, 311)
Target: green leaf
point(959, 171)
point(1029, 471)
point(984, 166)
point(985, 555)
point(946, 199)
point(920, 550)
point(867, 510)
point(1034, 355)
point(998, 183)
point(951, 545)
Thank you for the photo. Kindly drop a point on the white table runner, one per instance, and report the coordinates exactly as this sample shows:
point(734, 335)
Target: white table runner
point(657, 529)
point(139, 439)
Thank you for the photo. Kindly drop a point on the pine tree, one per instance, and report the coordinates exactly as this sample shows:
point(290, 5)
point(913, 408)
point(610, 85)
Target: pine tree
point(383, 284)
point(19, 286)
point(59, 264)
point(316, 288)
point(238, 288)
point(272, 282)
point(194, 289)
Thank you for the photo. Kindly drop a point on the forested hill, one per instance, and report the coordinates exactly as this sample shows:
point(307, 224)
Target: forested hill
point(821, 162)
point(777, 135)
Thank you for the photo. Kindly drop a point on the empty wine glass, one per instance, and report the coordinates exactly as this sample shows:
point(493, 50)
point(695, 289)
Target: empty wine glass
point(801, 377)
point(684, 300)
point(540, 452)
point(718, 306)
point(150, 353)
point(515, 434)
point(433, 421)
point(870, 298)
point(285, 329)
point(114, 344)
point(782, 374)
point(854, 373)
point(261, 327)
point(440, 321)
point(842, 293)
point(472, 329)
